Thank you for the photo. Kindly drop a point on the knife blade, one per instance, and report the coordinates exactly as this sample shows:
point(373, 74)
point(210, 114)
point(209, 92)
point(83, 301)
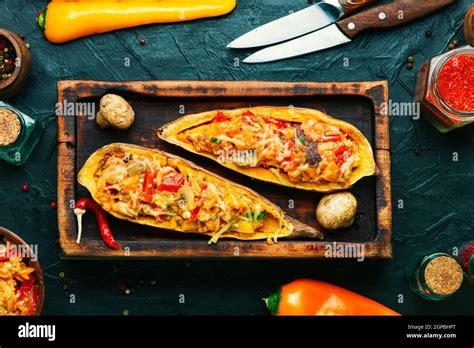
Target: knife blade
point(322, 39)
point(299, 23)
point(343, 31)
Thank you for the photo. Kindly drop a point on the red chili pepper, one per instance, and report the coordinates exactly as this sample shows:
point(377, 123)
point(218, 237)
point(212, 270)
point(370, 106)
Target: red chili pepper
point(220, 117)
point(85, 204)
point(4, 256)
point(172, 182)
point(149, 185)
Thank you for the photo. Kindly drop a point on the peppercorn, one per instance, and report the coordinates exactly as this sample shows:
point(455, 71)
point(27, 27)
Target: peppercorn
point(54, 205)
point(409, 66)
point(455, 43)
point(451, 46)
point(429, 33)
point(142, 42)
point(25, 188)
point(411, 59)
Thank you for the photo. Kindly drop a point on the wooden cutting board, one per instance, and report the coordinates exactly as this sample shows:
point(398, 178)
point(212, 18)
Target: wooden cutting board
point(158, 102)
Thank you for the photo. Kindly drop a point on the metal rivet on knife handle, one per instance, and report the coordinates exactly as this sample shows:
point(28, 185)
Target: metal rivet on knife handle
point(411, 9)
point(382, 16)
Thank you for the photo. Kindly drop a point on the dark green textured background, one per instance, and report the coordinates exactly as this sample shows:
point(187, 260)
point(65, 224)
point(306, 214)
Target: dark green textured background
point(437, 192)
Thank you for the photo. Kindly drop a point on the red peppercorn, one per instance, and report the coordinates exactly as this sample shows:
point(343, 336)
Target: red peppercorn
point(142, 42)
point(54, 205)
point(25, 188)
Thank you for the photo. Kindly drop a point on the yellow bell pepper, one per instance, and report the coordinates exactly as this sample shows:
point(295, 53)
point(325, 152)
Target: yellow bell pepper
point(63, 21)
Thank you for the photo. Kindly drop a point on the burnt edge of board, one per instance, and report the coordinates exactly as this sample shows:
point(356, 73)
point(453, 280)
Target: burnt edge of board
point(376, 91)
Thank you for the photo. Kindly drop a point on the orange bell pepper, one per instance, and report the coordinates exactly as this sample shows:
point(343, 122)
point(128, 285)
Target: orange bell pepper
point(311, 297)
point(65, 21)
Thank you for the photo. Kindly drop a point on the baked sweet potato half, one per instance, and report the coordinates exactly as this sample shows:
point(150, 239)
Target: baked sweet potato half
point(294, 147)
point(154, 188)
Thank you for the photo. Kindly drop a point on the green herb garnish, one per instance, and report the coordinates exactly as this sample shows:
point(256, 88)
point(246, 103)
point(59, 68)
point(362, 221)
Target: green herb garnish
point(216, 140)
point(261, 215)
point(302, 140)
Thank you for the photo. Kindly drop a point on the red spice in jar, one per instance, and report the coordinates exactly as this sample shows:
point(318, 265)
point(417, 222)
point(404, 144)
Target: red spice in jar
point(466, 255)
point(456, 82)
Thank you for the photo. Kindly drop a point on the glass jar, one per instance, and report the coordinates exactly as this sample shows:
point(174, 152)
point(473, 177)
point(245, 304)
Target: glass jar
point(417, 279)
point(433, 106)
point(466, 259)
point(30, 133)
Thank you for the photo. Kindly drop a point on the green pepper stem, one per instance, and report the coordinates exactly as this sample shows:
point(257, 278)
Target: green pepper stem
point(273, 302)
point(41, 21)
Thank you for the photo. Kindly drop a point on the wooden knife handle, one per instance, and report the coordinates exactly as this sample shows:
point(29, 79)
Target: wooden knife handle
point(351, 6)
point(469, 26)
point(391, 15)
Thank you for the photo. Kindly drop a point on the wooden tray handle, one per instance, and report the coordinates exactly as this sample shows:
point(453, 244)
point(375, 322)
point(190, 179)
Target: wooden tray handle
point(391, 15)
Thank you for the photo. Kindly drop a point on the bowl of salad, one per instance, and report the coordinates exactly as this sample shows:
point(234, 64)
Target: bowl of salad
point(21, 277)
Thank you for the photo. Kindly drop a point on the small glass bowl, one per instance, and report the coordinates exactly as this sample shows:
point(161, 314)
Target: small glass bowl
point(31, 131)
point(416, 278)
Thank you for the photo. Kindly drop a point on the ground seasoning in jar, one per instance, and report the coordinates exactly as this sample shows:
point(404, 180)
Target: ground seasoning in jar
point(456, 82)
point(443, 275)
point(467, 260)
point(7, 59)
point(435, 277)
point(19, 134)
point(445, 89)
point(10, 127)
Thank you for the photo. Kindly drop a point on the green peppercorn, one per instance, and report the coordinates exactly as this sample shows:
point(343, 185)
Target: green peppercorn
point(411, 59)
point(409, 66)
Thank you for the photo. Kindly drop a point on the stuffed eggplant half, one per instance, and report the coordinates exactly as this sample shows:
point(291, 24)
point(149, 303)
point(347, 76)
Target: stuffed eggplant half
point(154, 188)
point(294, 147)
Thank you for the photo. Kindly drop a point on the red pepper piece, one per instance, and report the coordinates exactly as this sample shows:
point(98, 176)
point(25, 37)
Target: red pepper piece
point(149, 185)
point(248, 117)
point(172, 182)
point(29, 292)
point(85, 204)
point(330, 137)
point(278, 123)
point(220, 117)
point(195, 213)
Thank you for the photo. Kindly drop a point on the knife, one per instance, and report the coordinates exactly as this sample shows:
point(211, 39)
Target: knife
point(387, 16)
point(299, 23)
